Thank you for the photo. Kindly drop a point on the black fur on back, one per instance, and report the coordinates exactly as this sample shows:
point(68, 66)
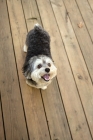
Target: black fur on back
point(38, 43)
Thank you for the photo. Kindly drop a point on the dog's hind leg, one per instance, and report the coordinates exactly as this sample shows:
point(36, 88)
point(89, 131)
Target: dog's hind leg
point(25, 48)
point(30, 84)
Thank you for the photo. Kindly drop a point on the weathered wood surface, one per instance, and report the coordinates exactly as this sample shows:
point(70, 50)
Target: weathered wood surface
point(13, 114)
point(64, 110)
point(32, 100)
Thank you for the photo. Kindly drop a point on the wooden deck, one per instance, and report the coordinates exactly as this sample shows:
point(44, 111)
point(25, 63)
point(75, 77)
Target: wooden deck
point(65, 110)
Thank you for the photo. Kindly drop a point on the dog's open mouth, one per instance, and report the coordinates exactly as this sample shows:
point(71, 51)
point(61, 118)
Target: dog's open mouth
point(46, 77)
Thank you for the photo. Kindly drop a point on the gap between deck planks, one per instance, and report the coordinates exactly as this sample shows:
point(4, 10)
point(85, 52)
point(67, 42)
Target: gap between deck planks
point(91, 4)
point(87, 15)
point(2, 137)
point(55, 116)
point(53, 30)
point(84, 84)
point(53, 111)
point(84, 40)
point(32, 100)
point(13, 115)
point(85, 87)
point(57, 122)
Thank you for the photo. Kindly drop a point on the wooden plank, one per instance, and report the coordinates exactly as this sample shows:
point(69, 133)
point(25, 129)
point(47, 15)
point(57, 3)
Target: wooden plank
point(31, 13)
point(76, 60)
point(82, 35)
point(55, 114)
point(91, 4)
point(35, 115)
point(72, 104)
point(87, 15)
point(1, 123)
point(15, 126)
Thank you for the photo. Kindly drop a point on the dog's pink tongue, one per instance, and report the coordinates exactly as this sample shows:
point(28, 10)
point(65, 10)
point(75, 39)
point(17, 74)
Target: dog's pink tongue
point(46, 77)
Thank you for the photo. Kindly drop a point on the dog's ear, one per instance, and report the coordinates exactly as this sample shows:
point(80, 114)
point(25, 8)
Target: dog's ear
point(27, 70)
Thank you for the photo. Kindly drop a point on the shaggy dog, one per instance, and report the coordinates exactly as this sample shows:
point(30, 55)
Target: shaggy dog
point(38, 68)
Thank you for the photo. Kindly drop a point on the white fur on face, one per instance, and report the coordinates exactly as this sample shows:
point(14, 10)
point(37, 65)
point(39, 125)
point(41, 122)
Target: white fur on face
point(38, 73)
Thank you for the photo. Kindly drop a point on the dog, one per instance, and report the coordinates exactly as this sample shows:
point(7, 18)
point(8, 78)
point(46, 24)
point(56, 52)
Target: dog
point(39, 68)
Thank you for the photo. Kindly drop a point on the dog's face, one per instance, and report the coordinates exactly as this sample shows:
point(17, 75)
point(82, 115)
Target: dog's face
point(42, 69)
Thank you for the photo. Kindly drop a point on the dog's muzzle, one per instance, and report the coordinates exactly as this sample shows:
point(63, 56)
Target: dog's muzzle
point(46, 77)
point(47, 70)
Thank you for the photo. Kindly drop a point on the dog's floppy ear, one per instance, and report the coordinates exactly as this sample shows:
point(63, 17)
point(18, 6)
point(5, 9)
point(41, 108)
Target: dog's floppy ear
point(27, 70)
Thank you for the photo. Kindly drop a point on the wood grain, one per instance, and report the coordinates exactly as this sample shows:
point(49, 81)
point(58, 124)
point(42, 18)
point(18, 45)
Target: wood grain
point(76, 60)
point(15, 126)
point(64, 110)
point(55, 113)
point(56, 118)
point(65, 78)
point(87, 15)
point(31, 13)
point(91, 4)
point(35, 115)
point(82, 34)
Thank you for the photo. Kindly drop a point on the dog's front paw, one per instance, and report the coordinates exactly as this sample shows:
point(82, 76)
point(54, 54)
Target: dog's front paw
point(45, 87)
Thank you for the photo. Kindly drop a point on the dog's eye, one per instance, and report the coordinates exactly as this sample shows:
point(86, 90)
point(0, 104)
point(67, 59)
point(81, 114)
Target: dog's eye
point(49, 64)
point(39, 66)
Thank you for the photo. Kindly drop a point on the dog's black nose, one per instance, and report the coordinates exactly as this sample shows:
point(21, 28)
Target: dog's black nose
point(47, 70)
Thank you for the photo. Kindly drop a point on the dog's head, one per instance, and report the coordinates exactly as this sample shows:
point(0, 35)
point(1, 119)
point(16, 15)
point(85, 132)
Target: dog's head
point(40, 68)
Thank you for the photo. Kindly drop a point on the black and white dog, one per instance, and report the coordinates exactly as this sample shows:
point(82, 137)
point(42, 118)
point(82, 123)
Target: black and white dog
point(38, 68)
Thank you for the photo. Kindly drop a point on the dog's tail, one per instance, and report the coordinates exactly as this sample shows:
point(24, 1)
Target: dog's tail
point(38, 29)
point(38, 26)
